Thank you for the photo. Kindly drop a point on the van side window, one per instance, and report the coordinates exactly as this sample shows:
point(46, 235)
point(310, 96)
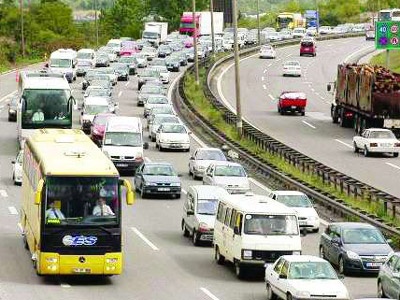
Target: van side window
point(228, 216)
point(221, 212)
point(190, 202)
point(279, 265)
point(233, 218)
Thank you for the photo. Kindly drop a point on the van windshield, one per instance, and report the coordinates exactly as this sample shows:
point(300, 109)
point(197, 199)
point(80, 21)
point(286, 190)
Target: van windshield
point(84, 55)
point(207, 206)
point(270, 225)
point(131, 139)
point(60, 63)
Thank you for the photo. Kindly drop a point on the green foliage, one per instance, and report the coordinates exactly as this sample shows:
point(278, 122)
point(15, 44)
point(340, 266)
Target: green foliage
point(394, 60)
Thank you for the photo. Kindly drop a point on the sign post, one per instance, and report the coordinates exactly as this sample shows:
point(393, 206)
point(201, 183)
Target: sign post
point(387, 37)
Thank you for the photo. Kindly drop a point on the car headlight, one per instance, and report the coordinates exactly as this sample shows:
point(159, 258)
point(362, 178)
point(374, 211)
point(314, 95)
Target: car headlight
point(303, 294)
point(247, 254)
point(175, 184)
point(296, 252)
point(150, 183)
point(352, 255)
point(12, 110)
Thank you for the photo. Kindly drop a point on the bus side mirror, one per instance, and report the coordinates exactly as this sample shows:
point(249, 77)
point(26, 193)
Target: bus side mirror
point(130, 198)
point(38, 193)
point(329, 87)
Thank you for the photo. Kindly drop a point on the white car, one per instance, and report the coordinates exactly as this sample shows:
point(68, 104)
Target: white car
point(17, 168)
point(303, 277)
point(291, 68)
point(229, 175)
point(286, 34)
point(173, 136)
point(299, 32)
point(164, 73)
point(273, 36)
point(377, 140)
point(202, 158)
point(158, 120)
point(152, 101)
point(306, 213)
point(325, 30)
point(267, 51)
point(311, 31)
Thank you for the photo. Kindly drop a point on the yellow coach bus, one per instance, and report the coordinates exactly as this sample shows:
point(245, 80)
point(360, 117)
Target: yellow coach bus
point(71, 205)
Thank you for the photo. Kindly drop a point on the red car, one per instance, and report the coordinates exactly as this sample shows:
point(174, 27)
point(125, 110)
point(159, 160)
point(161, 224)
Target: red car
point(308, 47)
point(292, 102)
point(98, 126)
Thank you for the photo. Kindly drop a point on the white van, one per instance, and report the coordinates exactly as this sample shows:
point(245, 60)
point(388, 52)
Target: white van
point(199, 211)
point(115, 44)
point(252, 230)
point(299, 32)
point(123, 142)
point(64, 61)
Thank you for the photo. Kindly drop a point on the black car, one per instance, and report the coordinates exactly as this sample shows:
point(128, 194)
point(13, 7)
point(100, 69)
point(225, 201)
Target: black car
point(122, 71)
point(12, 109)
point(173, 64)
point(181, 56)
point(147, 75)
point(164, 51)
point(157, 178)
point(354, 247)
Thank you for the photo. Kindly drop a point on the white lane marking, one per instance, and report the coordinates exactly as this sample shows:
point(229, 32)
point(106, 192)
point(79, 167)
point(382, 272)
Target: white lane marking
point(264, 87)
point(308, 124)
point(19, 225)
point(289, 55)
point(119, 94)
point(269, 65)
point(139, 234)
point(198, 141)
point(147, 159)
point(184, 191)
point(13, 210)
point(7, 96)
point(126, 84)
point(65, 285)
point(393, 165)
point(265, 71)
point(208, 293)
point(312, 89)
point(272, 97)
point(262, 78)
point(355, 53)
point(3, 193)
point(343, 143)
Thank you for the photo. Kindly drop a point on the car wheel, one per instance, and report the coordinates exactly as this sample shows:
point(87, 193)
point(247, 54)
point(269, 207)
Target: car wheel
point(186, 232)
point(381, 293)
point(315, 230)
point(342, 267)
point(270, 294)
point(195, 238)
point(289, 296)
point(366, 152)
point(190, 172)
point(153, 139)
point(142, 192)
point(322, 252)
point(395, 154)
point(160, 148)
point(303, 113)
point(218, 256)
point(355, 147)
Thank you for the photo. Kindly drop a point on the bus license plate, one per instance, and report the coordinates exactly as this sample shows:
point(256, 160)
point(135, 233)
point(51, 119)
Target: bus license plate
point(163, 189)
point(121, 165)
point(376, 264)
point(81, 270)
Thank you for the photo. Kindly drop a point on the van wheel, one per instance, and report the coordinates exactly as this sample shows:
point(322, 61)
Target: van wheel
point(25, 241)
point(239, 270)
point(186, 232)
point(218, 257)
point(270, 294)
point(395, 154)
point(195, 238)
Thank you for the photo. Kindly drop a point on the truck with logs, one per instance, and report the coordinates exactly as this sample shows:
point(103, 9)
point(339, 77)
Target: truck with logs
point(366, 96)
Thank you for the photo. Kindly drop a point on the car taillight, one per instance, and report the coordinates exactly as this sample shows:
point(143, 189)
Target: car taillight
point(373, 144)
point(397, 144)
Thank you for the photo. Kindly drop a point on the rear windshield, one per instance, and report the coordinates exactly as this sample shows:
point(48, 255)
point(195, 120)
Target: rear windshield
point(307, 44)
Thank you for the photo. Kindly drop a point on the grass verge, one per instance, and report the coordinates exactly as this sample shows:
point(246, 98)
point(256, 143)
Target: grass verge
point(196, 97)
point(20, 63)
point(394, 60)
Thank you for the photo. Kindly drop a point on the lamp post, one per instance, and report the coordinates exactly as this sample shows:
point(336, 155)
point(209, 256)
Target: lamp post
point(196, 59)
point(258, 23)
point(96, 24)
point(21, 5)
point(239, 125)
point(212, 27)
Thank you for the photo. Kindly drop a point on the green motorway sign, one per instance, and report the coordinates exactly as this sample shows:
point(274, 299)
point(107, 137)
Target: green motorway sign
point(387, 35)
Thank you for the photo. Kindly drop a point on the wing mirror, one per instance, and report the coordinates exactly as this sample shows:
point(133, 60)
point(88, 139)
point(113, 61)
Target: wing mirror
point(190, 213)
point(336, 240)
point(329, 87)
point(146, 145)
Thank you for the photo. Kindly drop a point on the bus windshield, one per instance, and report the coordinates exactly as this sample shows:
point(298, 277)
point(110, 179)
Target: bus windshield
point(60, 63)
point(81, 201)
point(270, 225)
point(46, 108)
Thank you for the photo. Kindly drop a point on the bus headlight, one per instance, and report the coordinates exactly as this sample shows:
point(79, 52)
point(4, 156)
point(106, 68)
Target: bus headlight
point(111, 260)
point(51, 260)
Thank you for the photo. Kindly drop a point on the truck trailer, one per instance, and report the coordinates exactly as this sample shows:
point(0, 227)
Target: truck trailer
point(366, 96)
point(203, 23)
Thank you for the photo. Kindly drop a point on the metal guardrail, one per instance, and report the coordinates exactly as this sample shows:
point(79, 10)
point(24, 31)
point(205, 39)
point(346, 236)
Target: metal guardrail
point(340, 181)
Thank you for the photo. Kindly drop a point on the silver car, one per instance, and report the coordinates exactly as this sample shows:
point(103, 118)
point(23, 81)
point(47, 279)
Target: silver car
point(202, 158)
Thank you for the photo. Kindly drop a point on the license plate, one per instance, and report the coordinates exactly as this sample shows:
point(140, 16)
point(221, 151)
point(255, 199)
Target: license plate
point(81, 270)
point(386, 145)
point(293, 107)
point(163, 189)
point(121, 165)
point(376, 264)
point(176, 146)
point(302, 223)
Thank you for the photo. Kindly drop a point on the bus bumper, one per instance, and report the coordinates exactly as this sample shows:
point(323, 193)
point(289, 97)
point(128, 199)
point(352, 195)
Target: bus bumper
point(55, 264)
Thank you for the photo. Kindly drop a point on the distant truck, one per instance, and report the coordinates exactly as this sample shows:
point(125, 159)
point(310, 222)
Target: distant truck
point(366, 96)
point(203, 23)
point(155, 32)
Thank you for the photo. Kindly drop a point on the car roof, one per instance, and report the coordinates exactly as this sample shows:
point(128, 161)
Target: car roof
point(96, 100)
point(208, 149)
point(303, 258)
point(205, 191)
point(226, 163)
point(288, 193)
point(352, 225)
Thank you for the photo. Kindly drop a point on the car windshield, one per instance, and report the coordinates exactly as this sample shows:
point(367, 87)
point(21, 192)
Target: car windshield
point(210, 155)
point(271, 224)
point(159, 170)
point(382, 135)
point(101, 120)
point(170, 119)
point(131, 139)
point(60, 62)
point(84, 55)
point(295, 200)
point(91, 109)
point(127, 60)
point(207, 206)
point(230, 170)
point(362, 236)
point(72, 201)
point(102, 83)
point(150, 90)
point(292, 63)
point(162, 109)
point(157, 100)
point(150, 73)
point(98, 92)
point(311, 270)
point(174, 128)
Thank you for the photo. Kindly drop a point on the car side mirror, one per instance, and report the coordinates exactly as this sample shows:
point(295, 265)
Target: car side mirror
point(46, 65)
point(146, 145)
point(336, 240)
point(303, 231)
point(282, 276)
point(190, 213)
point(329, 87)
point(191, 158)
